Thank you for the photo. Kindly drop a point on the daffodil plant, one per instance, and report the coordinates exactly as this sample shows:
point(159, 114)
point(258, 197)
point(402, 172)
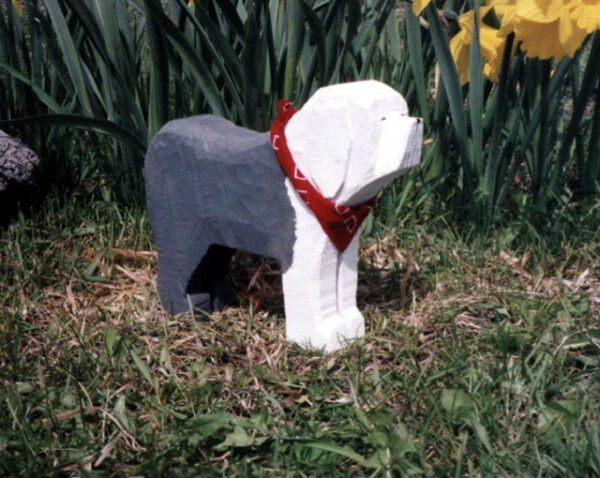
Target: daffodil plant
point(528, 72)
point(507, 88)
point(17, 5)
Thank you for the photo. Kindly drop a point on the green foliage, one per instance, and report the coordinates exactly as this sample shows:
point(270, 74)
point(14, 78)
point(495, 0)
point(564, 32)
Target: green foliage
point(125, 67)
point(530, 133)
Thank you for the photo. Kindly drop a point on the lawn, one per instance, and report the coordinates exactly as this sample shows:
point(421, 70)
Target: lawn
point(481, 358)
point(479, 272)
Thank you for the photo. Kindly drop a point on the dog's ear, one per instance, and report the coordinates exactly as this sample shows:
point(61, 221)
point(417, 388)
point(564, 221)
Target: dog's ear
point(319, 138)
point(352, 139)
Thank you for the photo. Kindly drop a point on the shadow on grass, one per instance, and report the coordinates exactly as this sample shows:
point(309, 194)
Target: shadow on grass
point(383, 282)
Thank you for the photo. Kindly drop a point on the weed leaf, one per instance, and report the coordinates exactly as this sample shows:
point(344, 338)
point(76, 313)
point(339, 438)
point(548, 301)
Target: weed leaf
point(109, 338)
point(143, 367)
point(240, 439)
point(457, 404)
point(583, 340)
point(557, 418)
point(205, 426)
point(345, 451)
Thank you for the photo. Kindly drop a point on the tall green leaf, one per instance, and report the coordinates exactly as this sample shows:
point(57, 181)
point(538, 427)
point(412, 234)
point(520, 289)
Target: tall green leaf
point(196, 65)
point(294, 38)
point(492, 176)
point(226, 61)
point(415, 55)
point(453, 90)
point(384, 8)
point(80, 122)
point(159, 80)
point(71, 56)
point(476, 94)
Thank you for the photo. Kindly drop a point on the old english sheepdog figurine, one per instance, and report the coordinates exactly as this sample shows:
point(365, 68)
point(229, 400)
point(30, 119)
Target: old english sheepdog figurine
point(298, 193)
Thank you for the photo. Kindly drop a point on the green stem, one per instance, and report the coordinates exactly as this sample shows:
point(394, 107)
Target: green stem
point(590, 76)
point(591, 174)
point(492, 178)
point(476, 98)
point(452, 85)
point(543, 157)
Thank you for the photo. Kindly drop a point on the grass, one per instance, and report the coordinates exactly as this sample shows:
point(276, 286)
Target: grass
point(480, 358)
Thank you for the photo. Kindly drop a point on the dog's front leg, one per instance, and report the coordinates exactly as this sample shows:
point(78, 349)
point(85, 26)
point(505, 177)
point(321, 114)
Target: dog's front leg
point(310, 285)
point(347, 280)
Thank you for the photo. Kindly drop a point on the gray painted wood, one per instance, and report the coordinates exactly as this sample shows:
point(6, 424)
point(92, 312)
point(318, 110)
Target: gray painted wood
point(213, 187)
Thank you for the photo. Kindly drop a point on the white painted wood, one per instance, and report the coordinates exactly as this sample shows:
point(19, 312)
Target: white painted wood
point(309, 283)
point(350, 140)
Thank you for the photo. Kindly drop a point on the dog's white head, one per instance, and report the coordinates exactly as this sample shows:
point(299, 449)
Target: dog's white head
point(352, 139)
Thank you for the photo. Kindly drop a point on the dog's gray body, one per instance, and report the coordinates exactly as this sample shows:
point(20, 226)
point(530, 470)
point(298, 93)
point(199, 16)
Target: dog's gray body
point(213, 187)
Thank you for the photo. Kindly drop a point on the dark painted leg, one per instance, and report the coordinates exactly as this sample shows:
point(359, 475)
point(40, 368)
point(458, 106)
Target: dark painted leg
point(170, 284)
point(209, 282)
point(174, 271)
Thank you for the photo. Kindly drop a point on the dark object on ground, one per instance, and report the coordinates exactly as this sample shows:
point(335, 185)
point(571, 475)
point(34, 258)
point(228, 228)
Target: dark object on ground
point(18, 185)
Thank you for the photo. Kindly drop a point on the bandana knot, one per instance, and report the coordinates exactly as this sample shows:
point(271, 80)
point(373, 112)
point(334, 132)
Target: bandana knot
point(338, 221)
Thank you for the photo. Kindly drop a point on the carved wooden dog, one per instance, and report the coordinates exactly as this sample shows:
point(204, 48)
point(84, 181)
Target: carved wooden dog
point(213, 187)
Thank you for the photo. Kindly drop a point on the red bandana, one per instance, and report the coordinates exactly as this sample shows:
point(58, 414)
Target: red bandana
point(339, 222)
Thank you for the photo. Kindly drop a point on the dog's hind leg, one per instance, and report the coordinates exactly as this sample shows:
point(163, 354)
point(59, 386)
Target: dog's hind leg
point(210, 276)
point(174, 271)
point(191, 275)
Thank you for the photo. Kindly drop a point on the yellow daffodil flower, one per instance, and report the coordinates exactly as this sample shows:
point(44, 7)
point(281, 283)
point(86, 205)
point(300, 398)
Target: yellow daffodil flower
point(500, 6)
point(18, 7)
point(490, 43)
point(542, 28)
point(539, 11)
point(546, 29)
point(492, 48)
point(190, 3)
point(506, 11)
point(419, 5)
point(585, 13)
point(460, 45)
